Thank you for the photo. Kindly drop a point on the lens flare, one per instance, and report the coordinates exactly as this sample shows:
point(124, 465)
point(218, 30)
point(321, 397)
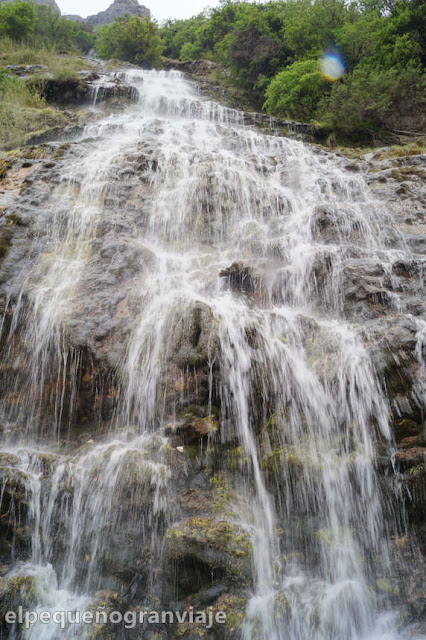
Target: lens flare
point(332, 66)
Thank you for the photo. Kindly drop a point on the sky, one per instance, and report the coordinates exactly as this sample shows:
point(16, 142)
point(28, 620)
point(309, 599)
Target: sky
point(160, 9)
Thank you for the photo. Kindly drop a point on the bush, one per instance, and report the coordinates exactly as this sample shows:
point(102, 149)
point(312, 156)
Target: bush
point(131, 40)
point(17, 20)
point(297, 91)
point(190, 51)
point(373, 98)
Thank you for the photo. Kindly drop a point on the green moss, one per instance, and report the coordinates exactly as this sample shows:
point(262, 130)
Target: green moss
point(236, 459)
point(234, 606)
point(222, 496)
point(4, 167)
point(287, 457)
point(213, 541)
point(14, 218)
point(330, 538)
point(385, 586)
point(61, 150)
point(352, 153)
point(193, 631)
point(282, 607)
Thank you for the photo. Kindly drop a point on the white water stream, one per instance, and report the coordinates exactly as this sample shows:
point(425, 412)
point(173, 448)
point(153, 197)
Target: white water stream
point(223, 193)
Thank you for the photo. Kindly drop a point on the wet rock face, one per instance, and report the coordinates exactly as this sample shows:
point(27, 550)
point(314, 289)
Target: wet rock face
point(241, 278)
point(191, 491)
point(114, 280)
point(81, 90)
point(116, 271)
point(194, 340)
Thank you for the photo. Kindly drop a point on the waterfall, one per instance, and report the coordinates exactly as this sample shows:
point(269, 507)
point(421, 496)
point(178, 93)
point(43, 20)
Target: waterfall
point(240, 240)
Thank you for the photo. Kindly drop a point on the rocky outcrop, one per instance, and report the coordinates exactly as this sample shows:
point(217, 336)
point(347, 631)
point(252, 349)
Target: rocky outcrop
point(118, 9)
point(24, 70)
point(192, 67)
point(84, 87)
point(74, 17)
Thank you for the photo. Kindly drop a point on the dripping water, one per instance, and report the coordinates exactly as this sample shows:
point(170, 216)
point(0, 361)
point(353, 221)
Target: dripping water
point(296, 384)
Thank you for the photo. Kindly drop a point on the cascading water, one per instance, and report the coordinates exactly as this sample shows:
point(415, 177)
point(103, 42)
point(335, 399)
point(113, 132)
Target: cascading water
point(292, 378)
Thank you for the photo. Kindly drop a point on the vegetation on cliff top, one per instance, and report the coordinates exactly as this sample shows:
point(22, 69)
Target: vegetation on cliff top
point(38, 37)
point(271, 51)
point(42, 26)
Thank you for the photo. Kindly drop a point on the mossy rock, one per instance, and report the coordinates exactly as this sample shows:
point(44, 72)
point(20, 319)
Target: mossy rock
point(5, 165)
point(16, 591)
point(288, 459)
point(234, 607)
point(224, 549)
point(385, 586)
point(237, 459)
point(6, 234)
point(399, 151)
point(62, 90)
point(193, 428)
point(219, 500)
point(61, 150)
point(15, 218)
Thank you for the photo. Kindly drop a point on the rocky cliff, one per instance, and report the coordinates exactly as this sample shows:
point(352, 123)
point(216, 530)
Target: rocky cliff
point(118, 9)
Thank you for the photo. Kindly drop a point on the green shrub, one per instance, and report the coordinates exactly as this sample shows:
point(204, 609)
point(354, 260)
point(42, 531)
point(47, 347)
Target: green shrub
point(131, 40)
point(17, 20)
point(297, 91)
point(190, 51)
point(373, 98)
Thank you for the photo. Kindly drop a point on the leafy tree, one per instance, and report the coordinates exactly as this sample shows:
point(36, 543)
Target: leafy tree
point(309, 27)
point(17, 20)
point(51, 28)
point(131, 39)
point(177, 34)
point(356, 39)
point(254, 49)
